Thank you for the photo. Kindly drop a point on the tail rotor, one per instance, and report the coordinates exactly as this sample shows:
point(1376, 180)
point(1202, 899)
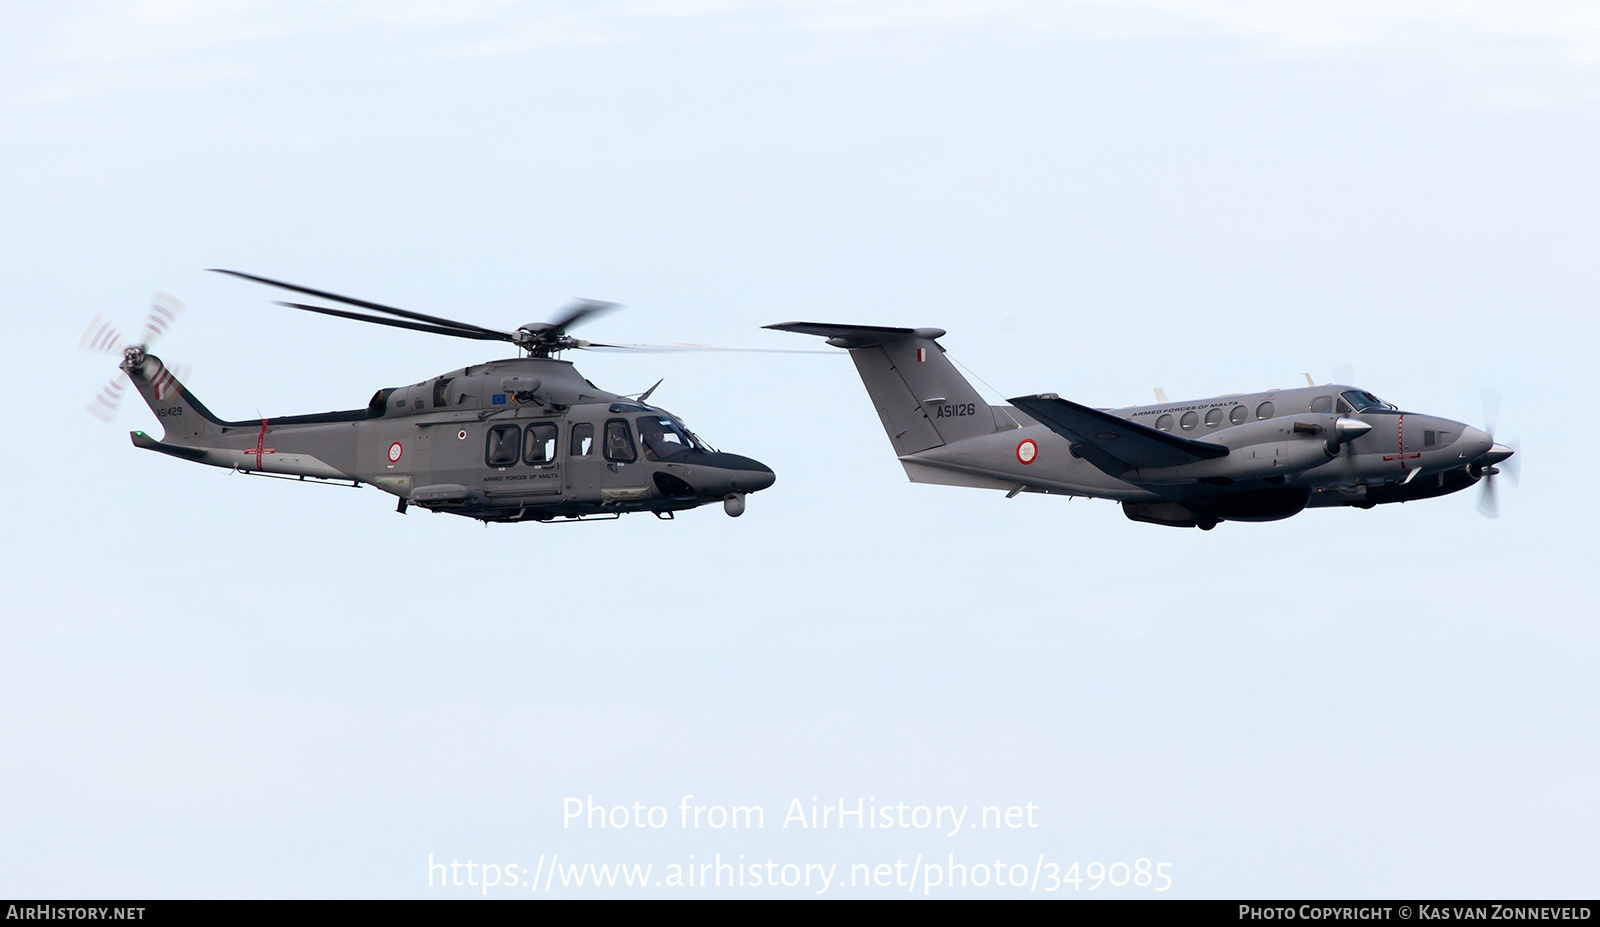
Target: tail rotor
point(103, 337)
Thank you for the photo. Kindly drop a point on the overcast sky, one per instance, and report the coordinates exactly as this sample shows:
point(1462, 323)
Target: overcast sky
point(221, 686)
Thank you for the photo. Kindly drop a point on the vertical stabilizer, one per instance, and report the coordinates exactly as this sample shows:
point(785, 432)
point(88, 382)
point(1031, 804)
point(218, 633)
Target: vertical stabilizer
point(921, 399)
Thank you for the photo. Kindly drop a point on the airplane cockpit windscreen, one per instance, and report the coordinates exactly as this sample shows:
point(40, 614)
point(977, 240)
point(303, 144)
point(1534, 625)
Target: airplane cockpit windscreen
point(1361, 401)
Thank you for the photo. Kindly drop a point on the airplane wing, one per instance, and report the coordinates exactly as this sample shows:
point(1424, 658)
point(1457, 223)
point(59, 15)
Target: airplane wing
point(1111, 442)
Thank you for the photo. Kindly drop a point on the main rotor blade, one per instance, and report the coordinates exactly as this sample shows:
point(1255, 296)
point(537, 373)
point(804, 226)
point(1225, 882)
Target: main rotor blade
point(377, 307)
point(686, 348)
point(474, 334)
point(580, 310)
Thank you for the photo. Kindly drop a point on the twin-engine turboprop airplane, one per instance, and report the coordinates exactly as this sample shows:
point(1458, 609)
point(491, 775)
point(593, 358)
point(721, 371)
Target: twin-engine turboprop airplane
point(1246, 457)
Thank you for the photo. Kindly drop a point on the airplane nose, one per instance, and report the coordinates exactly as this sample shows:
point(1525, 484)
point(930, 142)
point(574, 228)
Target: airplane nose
point(1497, 454)
point(1475, 442)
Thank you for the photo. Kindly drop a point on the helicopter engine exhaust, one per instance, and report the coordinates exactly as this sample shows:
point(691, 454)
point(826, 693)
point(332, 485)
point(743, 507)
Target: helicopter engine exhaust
point(733, 504)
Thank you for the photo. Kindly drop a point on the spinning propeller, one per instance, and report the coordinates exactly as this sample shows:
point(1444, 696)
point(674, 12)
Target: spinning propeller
point(105, 338)
point(539, 339)
point(1501, 458)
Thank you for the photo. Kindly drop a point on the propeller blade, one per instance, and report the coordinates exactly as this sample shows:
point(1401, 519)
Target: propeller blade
point(376, 307)
point(1487, 504)
point(1512, 466)
point(102, 336)
point(686, 348)
point(1491, 411)
point(474, 333)
point(104, 404)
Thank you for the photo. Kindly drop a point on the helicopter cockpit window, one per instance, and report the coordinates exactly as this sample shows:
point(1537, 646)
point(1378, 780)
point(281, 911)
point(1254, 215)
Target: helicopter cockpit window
point(661, 437)
point(539, 444)
point(582, 440)
point(619, 441)
point(1361, 400)
point(503, 448)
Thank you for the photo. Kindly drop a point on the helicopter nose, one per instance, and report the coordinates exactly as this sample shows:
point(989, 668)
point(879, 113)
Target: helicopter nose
point(740, 474)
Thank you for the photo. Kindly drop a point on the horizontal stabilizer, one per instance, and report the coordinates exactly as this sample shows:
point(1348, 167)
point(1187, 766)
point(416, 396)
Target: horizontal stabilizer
point(1112, 443)
point(856, 336)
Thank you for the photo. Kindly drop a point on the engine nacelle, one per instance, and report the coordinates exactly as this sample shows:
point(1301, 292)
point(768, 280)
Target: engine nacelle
point(1274, 447)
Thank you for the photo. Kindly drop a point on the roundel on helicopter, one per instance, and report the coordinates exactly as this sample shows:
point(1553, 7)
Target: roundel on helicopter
point(526, 438)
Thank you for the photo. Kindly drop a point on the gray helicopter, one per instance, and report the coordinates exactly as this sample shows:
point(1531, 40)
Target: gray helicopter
point(1243, 457)
point(521, 439)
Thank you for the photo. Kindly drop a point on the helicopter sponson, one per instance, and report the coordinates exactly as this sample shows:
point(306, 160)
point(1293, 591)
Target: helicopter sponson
point(521, 439)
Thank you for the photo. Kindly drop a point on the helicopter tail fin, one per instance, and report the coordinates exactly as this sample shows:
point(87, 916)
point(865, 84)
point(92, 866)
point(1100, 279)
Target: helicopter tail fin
point(922, 400)
point(183, 419)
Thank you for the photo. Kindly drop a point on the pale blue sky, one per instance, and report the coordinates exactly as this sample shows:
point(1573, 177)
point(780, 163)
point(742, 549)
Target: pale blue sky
point(218, 686)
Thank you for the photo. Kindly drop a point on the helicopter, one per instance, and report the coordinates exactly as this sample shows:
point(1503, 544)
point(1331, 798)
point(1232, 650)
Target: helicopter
point(1240, 457)
point(526, 438)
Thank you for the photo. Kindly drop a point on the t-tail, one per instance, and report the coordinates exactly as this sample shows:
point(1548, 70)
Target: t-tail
point(921, 399)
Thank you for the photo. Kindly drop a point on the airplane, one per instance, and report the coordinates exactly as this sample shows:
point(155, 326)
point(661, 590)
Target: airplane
point(1252, 457)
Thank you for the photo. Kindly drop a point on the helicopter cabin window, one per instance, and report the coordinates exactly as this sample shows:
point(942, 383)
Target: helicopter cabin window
point(661, 438)
point(1265, 410)
point(539, 444)
point(1213, 418)
point(440, 397)
point(582, 440)
point(1322, 404)
point(619, 441)
point(1189, 420)
point(504, 445)
point(1238, 414)
point(1164, 422)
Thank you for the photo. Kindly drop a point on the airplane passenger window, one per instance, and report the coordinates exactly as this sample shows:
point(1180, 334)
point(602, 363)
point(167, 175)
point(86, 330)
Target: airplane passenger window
point(1322, 404)
point(1264, 410)
point(582, 440)
point(1213, 418)
point(619, 441)
point(1189, 420)
point(539, 444)
point(1238, 414)
point(1164, 423)
point(503, 445)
